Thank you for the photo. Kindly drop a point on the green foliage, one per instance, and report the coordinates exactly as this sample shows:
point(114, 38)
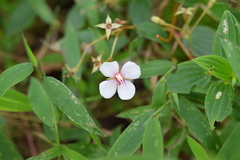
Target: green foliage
point(185, 102)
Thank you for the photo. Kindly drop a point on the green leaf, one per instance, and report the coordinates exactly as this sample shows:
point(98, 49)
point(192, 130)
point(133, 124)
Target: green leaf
point(155, 68)
point(198, 125)
point(188, 74)
point(159, 95)
point(231, 148)
point(140, 11)
point(48, 154)
point(14, 101)
point(218, 102)
point(201, 41)
point(13, 75)
point(41, 103)
point(7, 149)
point(90, 9)
point(175, 98)
point(216, 65)
point(232, 52)
point(149, 30)
point(197, 149)
point(134, 113)
point(132, 137)
point(29, 52)
point(76, 17)
point(22, 16)
point(71, 46)
point(228, 29)
point(153, 140)
point(66, 101)
point(71, 154)
point(41, 8)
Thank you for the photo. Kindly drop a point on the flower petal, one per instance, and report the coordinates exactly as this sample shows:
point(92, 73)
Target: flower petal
point(126, 90)
point(109, 69)
point(108, 19)
point(108, 32)
point(102, 25)
point(130, 70)
point(108, 88)
point(115, 25)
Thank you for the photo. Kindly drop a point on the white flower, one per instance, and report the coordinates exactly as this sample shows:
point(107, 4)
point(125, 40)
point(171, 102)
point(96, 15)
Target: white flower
point(108, 26)
point(119, 81)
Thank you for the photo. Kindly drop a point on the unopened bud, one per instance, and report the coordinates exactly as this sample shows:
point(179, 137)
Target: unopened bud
point(157, 20)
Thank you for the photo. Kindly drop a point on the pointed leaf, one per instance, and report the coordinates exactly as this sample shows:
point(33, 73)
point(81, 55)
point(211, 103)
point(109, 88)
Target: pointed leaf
point(216, 65)
point(13, 75)
point(41, 8)
point(48, 154)
point(66, 101)
point(41, 103)
point(71, 154)
point(132, 137)
point(134, 113)
point(155, 68)
point(198, 125)
point(159, 95)
point(232, 52)
point(7, 149)
point(29, 52)
point(218, 102)
point(231, 148)
point(153, 140)
point(229, 29)
point(188, 74)
point(14, 101)
point(197, 149)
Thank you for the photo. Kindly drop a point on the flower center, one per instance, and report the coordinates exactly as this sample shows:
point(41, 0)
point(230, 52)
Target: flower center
point(108, 25)
point(119, 78)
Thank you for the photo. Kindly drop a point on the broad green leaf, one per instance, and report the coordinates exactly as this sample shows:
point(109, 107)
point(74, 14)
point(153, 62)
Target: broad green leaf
point(231, 148)
point(216, 65)
point(134, 157)
point(197, 149)
point(88, 150)
point(133, 113)
point(7, 149)
point(13, 75)
point(232, 52)
point(155, 68)
point(201, 41)
point(188, 74)
point(14, 101)
point(90, 9)
point(71, 154)
point(48, 154)
point(41, 8)
point(132, 137)
point(140, 11)
point(198, 125)
point(22, 16)
point(101, 46)
point(41, 103)
point(76, 17)
point(218, 102)
point(71, 46)
point(159, 95)
point(228, 29)
point(149, 30)
point(66, 101)
point(29, 52)
point(153, 140)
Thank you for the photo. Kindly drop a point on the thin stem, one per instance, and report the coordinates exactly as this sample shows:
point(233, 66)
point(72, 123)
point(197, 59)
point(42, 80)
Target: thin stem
point(114, 45)
point(210, 4)
point(39, 73)
point(57, 135)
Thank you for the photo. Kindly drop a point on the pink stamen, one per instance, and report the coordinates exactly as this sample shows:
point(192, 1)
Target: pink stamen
point(119, 78)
